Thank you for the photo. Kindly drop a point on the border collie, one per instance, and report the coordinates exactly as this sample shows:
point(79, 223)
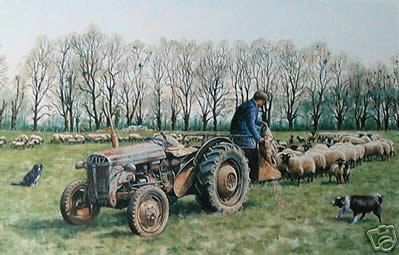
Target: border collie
point(31, 179)
point(359, 205)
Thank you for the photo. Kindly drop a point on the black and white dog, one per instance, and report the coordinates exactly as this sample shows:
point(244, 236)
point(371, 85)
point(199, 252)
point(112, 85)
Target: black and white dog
point(359, 205)
point(31, 179)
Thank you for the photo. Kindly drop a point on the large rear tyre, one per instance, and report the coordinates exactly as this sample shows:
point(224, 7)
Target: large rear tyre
point(148, 211)
point(75, 206)
point(222, 180)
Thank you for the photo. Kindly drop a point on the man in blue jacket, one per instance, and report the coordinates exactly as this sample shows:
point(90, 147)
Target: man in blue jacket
point(245, 119)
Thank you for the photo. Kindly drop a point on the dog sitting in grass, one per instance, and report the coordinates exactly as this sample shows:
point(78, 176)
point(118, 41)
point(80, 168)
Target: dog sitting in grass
point(31, 179)
point(359, 205)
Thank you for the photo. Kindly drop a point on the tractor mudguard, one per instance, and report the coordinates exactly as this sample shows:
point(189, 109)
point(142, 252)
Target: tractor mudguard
point(185, 178)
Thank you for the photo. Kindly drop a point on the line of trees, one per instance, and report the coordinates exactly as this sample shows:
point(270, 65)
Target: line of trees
point(68, 82)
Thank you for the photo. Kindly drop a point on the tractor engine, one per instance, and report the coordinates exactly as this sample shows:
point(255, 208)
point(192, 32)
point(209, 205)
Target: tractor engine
point(113, 175)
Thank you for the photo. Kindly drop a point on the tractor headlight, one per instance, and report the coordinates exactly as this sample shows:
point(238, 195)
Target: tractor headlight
point(130, 167)
point(80, 164)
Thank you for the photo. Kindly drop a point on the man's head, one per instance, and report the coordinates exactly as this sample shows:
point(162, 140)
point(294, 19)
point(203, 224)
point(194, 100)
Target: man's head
point(260, 97)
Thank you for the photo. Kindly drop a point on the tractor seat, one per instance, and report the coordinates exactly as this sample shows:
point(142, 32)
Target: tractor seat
point(179, 150)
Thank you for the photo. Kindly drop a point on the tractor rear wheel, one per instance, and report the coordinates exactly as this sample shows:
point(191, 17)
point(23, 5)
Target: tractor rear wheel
point(222, 180)
point(148, 211)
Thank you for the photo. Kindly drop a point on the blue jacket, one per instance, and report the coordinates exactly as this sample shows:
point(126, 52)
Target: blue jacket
point(245, 119)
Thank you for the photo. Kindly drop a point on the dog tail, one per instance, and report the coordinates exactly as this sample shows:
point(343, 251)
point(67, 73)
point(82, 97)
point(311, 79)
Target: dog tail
point(16, 183)
point(378, 196)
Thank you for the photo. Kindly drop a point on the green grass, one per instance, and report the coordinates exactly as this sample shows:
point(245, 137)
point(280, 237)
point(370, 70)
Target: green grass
point(279, 218)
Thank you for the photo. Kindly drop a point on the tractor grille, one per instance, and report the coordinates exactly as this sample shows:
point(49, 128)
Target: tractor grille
point(98, 176)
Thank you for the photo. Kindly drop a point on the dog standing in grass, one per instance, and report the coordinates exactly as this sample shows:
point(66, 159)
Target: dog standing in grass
point(31, 179)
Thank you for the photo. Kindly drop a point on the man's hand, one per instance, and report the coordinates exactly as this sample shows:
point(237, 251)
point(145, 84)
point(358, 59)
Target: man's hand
point(262, 140)
point(264, 123)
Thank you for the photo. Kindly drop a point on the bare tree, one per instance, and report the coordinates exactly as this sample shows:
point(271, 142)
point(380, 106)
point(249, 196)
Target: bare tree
point(157, 76)
point(17, 101)
point(213, 90)
point(388, 97)
point(359, 84)
point(90, 50)
point(395, 77)
point(3, 70)
point(266, 73)
point(65, 81)
point(3, 78)
point(185, 58)
point(241, 72)
point(110, 78)
point(320, 78)
point(169, 51)
point(133, 85)
point(39, 69)
point(339, 90)
point(292, 74)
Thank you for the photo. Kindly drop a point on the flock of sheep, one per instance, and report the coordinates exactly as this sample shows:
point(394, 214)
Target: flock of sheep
point(330, 153)
point(96, 138)
point(23, 141)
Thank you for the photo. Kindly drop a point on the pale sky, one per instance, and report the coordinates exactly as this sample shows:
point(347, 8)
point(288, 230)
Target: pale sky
point(368, 30)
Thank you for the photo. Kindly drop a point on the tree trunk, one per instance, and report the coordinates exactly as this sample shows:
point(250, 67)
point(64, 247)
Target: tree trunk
point(35, 113)
point(315, 124)
point(290, 124)
point(173, 119)
point(71, 120)
point(66, 123)
point(339, 122)
point(204, 122)
point(215, 121)
point(186, 122)
point(2, 109)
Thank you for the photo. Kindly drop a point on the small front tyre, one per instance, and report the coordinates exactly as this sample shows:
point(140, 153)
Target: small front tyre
point(75, 206)
point(148, 211)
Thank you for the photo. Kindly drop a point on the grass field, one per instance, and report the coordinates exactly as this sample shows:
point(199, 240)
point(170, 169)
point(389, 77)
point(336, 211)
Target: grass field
point(279, 218)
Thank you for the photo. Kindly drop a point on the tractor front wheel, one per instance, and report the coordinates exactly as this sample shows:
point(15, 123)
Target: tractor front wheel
point(148, 211)
point(75, 206)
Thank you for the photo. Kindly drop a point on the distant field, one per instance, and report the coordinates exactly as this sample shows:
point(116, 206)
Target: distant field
point(279, 218)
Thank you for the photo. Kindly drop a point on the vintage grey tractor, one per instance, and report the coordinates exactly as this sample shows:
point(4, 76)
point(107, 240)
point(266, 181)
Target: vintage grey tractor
point(147, 177)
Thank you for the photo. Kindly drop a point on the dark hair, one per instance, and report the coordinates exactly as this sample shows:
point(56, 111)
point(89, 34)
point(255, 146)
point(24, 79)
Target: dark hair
point(260, 95)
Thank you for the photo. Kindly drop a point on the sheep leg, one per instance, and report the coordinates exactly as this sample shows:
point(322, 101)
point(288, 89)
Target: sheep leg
point(329, 181)
point(299, 180)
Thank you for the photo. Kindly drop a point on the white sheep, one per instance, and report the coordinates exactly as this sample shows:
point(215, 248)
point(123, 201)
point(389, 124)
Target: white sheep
point(22, 138)
point(332, 156)
point(387, 149)
point(299, 166)
point(337, 170)
point(38, 138)
point(392, 146)
point(79, 138)
point(366, 139)
point(18, 144)
point(319, 160)
point(373, 149)
point(355, 140)
point(322, 147)
point(135, 137)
